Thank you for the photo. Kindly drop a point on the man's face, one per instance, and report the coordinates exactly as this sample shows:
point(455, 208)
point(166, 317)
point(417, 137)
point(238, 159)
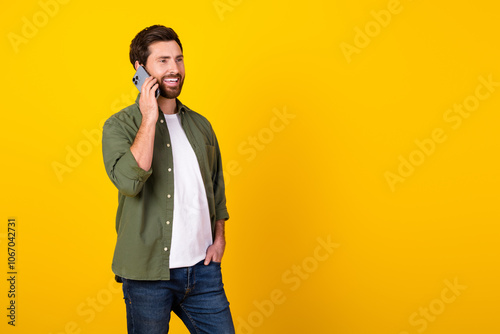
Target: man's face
point(166, 64)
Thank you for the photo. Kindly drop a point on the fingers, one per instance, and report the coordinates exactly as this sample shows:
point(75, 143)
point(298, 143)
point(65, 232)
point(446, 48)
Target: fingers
point(147, 102)
point(213, 254)
point(210, 255)
point(209, 258)
point(149, 87)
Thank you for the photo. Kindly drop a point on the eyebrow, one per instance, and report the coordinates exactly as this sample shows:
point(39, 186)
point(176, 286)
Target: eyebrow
point(168, 57)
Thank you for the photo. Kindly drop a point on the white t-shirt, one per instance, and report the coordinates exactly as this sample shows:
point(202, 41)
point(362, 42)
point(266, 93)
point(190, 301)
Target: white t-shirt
point(191, 229)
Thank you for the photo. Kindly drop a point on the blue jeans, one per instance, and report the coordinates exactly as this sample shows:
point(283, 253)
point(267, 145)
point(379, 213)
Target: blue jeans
point(196, 294)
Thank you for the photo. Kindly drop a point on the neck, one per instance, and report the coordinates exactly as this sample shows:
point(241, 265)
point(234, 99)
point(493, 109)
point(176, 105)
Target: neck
point(167, 106)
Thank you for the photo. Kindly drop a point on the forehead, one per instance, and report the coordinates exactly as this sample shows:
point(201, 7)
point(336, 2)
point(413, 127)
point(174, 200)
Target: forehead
point(165, 49)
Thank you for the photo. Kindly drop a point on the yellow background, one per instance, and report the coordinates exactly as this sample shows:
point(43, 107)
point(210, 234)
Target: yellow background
point(319, 174)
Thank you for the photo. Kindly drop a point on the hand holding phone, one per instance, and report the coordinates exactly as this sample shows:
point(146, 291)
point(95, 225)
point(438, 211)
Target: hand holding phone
point(140, 76)
point(148, 103)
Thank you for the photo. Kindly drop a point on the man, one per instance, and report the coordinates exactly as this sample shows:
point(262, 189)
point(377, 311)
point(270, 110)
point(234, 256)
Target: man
point(165, 161)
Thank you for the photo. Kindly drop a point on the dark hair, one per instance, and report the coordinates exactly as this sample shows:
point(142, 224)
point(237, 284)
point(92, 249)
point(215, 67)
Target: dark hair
point(139, 48)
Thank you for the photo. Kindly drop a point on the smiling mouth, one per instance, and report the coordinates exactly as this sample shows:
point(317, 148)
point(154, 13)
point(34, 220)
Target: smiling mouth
point(171, 81)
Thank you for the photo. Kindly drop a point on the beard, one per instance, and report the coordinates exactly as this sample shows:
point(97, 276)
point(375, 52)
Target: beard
point(170, 92)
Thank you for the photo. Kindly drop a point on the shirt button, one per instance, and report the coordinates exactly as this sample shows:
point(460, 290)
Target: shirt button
point(161, 121)
point(168, 223)
point(168, 145)
point(165, 249)
point(170, 169)
point(168, 195)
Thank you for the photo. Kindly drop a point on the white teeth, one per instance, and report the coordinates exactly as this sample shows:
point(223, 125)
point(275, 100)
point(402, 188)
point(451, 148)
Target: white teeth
point(172, 80)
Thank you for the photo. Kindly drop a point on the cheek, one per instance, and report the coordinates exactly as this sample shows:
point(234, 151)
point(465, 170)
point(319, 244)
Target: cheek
point(157, 73)
point(155, 70)
point(181, 69)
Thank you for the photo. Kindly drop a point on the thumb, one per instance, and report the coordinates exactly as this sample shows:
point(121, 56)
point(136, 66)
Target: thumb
point(207, 259)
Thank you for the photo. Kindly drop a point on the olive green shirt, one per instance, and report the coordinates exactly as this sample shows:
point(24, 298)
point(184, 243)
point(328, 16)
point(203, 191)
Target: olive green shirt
point(144, 218)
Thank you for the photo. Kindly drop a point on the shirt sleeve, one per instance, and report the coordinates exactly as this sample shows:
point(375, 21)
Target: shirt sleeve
point(219, 187)
point(120, 164)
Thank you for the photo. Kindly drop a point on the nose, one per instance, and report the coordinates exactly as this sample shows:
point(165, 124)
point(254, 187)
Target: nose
point(173, 67)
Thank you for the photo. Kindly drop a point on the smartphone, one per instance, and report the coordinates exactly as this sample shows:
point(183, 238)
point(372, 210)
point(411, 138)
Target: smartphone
point(140, 75)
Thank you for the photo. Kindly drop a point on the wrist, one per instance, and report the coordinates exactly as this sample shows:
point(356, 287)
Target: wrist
point(149, 121)
point(219, 241)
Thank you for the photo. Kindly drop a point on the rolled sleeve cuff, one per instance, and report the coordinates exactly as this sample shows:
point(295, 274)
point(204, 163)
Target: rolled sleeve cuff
point(129, 168)
point(221, 215)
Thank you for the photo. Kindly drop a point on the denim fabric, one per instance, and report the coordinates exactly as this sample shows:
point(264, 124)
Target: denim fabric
point(196, 294)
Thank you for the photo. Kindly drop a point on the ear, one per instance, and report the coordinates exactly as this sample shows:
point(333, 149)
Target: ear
point(136, 65)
